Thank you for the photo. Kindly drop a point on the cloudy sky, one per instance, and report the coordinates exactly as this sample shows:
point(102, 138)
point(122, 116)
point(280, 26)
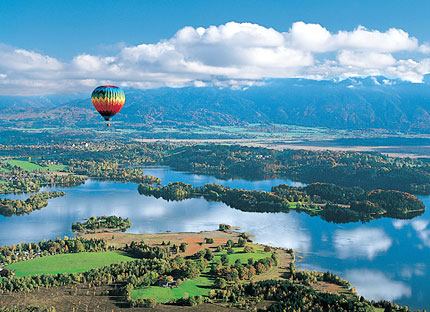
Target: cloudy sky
point(69, 46)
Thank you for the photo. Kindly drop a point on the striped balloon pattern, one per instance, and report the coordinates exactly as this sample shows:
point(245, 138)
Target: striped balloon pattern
point(108, 100)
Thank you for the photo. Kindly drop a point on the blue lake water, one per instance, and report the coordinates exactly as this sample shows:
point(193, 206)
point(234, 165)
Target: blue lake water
point(383, 259)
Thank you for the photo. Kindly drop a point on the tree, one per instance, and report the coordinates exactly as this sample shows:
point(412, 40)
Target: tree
point(79, 247)
point(209, 254)
point(241, 242)
point(224, 259)
point(183, 247)
point(220, 283)
point(248, 249)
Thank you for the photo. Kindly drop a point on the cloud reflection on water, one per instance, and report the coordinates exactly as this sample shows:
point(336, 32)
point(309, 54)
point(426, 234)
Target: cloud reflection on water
point(420, 226)
point(375, 285)
point(361, 242)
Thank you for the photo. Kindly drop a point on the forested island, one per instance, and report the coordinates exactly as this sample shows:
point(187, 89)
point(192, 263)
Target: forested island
point(331, 202)
point(10, 207)
point(102, 224)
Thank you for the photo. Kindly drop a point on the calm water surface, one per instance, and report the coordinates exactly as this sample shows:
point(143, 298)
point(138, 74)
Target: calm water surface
point(383, 259)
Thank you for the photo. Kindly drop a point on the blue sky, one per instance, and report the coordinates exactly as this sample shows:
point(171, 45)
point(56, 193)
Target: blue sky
point(65, 28)
point(147, 44)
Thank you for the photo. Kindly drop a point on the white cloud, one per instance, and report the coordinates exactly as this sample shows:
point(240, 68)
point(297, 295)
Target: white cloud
point(233, 55)
point(314, 37)
point(363, 60)
point(425, 48)
point(361, 243)
point(23, 60)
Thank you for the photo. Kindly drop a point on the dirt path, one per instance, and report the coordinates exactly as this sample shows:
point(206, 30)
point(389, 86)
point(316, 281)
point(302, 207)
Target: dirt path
point(279, 272)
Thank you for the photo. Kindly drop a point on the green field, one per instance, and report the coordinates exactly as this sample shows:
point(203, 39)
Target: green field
point(243, 257)
point(29, 166)
point(198, 286)
point(67, 263)
point(26, 165)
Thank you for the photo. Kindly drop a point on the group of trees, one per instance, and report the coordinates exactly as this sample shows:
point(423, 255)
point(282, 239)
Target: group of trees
point(332, 202)
point(17, 180)
point(224, 227)
point(102, 223)
point(166, 250)
point(288, 296)
point(9, 207)
point(26, 251)
point(109, 170)
point(123, 272)
point(309, 277)
point(172, 191)
point(225, 272)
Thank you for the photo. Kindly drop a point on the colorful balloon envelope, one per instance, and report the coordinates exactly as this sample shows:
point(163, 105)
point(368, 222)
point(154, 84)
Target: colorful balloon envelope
point(108, 101)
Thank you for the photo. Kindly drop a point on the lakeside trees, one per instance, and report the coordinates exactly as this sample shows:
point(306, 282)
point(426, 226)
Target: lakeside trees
point(27, 251)
point(9, 207)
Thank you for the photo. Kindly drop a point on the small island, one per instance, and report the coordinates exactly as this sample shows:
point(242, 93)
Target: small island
point(101, 224)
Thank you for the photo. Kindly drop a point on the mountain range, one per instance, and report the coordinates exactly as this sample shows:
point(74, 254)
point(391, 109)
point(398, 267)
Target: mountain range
point(354, 103)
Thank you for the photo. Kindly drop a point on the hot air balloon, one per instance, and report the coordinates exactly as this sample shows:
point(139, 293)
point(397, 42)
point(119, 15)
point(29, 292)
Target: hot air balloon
point(108, 100)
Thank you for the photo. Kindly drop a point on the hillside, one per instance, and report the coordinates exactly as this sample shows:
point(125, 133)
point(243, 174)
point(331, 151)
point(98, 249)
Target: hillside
point(374, 102)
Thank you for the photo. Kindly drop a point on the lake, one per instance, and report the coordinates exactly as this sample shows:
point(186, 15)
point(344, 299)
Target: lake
point(384, 259)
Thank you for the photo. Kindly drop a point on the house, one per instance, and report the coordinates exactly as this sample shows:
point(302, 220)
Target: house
point(166, 281)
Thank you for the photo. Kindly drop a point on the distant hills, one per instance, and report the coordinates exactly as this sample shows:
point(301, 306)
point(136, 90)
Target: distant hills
point(373, 102)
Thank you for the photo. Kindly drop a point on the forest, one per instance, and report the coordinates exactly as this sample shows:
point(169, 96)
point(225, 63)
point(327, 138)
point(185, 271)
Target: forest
point(288, 296)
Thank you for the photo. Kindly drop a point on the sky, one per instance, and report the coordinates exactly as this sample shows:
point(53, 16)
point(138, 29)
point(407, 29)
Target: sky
point(72, 46)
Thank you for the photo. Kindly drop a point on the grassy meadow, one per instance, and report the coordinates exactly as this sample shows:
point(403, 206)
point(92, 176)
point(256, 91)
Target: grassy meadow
point(29, 166)
point(198, 286)
point(23, 164)
point(67, 263)
point(243, 256)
